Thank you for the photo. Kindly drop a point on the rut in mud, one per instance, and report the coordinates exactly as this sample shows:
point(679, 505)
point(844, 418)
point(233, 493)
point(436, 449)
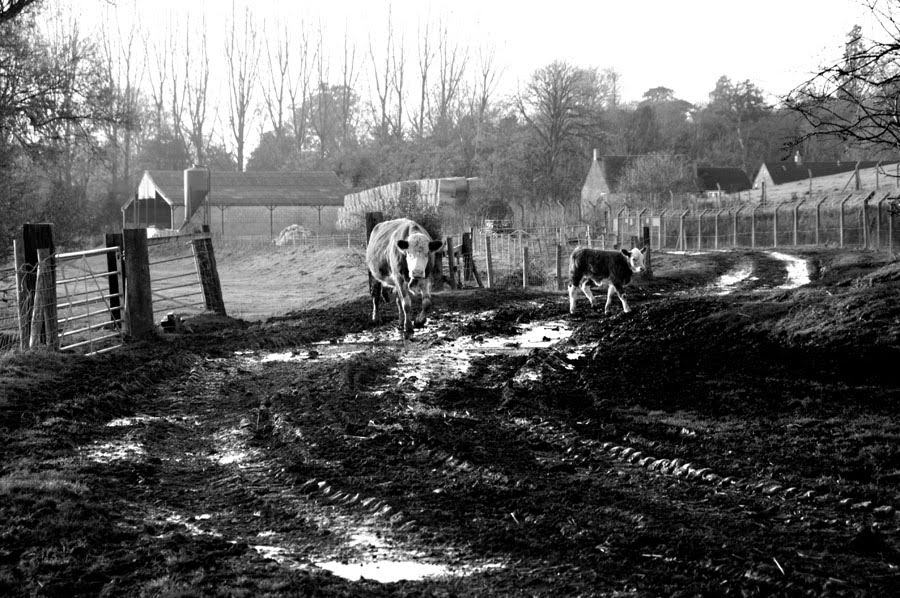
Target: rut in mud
point(734, 435)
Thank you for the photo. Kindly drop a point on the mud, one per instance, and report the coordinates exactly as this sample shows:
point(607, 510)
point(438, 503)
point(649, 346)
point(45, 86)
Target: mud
point(734, 435)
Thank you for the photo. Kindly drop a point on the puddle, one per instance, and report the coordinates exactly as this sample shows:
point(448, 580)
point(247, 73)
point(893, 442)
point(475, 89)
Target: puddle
point(385, 571)
point(728, 281)
point(797, 270)
point(108, 452)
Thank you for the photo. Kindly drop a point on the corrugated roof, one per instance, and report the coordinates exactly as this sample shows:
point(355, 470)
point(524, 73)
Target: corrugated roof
point(729, 179)
point(258, 188)
point(790, 171)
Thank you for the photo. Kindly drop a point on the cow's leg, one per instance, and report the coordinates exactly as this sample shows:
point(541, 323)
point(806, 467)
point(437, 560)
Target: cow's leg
point(404, 309)
point(586, 289)
point(613, 291)
point(426, 303)
point(573, 290)
point(377, 292)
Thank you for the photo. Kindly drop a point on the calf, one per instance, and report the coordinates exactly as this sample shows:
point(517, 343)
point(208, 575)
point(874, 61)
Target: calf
point(400, 256)
point(593, 265)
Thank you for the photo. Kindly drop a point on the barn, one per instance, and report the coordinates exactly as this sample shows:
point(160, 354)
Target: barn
point(797, 178)
point(245, 205)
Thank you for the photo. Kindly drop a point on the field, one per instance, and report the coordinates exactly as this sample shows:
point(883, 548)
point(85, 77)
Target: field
point(736, 434)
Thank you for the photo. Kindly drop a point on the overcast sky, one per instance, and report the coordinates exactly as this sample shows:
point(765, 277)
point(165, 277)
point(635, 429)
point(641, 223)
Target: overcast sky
point(685, 45)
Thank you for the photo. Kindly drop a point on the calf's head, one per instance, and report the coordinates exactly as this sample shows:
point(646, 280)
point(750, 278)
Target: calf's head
point(417, 250)
point(635, 258)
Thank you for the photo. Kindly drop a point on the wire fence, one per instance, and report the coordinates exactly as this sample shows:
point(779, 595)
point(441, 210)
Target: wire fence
point(9, 311)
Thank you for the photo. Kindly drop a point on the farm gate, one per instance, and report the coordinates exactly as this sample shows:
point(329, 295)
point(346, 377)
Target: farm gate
point(90, 301)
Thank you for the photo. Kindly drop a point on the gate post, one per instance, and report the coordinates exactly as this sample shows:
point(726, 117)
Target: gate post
point(490, 263)
point(372, 218)
point(205, 259)
point(37, 294)
point(138, 300)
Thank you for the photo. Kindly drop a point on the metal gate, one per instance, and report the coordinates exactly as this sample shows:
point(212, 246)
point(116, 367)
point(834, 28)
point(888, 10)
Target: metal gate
point(89, 300)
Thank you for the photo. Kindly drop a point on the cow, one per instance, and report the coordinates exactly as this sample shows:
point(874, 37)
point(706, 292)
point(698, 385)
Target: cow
point(594, 265)
point(400, 256)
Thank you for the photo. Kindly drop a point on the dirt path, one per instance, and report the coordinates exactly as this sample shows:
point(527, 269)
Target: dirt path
point(684, 449)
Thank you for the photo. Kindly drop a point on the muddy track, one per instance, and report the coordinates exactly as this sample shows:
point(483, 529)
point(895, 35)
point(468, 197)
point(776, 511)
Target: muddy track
point(513, 448)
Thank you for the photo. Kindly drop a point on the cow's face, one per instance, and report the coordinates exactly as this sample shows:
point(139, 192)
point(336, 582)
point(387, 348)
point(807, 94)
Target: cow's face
point(635, 258)
point(417, 250)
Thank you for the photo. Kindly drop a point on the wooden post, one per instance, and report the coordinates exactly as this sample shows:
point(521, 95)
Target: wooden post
point(24, 300)
point(524, 267)
point(44, 326)
point(451, 263)
point(205, 258)
point(467, 249)
point(490, 264)
point(648, 263)
point(373, 218)
point(559, 268)
point(34, 237)
point(138, 299)
point(114, 267)
point(841, 220)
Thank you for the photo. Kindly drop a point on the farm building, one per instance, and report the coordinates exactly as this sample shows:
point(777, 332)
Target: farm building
point(602, 183)
point(236, 204)
point(795, 179)
point(448, 194)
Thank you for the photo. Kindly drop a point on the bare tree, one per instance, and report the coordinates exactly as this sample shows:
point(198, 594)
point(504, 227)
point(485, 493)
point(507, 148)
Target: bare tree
point(276, 86)
point(242, 59)
point(299, 90)
point(124, 74)
point(10, 9)
point(452, 59)
point(196, 77)
point(347, 96)
point(320, 117)
point(426, 57)
point(383, 80)
point(857, 99)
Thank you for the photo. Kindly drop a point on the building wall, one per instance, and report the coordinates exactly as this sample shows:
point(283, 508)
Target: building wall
point(260, 222)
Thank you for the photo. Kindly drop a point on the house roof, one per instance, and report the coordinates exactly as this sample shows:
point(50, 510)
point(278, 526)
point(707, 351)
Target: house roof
point(251, 188)
point(789, 171)
point(727, 179)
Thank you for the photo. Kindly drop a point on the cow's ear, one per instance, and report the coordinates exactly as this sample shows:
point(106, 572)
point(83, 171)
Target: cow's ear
point(403, 244)
point(434, 246)
point(625, 252)
point(644, 249)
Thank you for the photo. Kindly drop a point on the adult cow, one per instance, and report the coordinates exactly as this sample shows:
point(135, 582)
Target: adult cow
point(400, 256)
point(589, 265)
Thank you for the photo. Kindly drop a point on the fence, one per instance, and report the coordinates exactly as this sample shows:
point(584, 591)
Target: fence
point(73, 301)
point(537, 257)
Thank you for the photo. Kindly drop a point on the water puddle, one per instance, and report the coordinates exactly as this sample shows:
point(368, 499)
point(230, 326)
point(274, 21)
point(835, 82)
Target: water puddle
point(109, 452)
point(797, 270)
point(729, 281)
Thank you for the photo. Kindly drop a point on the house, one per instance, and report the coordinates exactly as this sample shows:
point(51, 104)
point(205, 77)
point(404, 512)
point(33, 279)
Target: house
point(716, 182)
point(236, 204)
point(792, 179)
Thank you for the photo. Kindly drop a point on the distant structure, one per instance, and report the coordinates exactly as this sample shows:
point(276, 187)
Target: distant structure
point(447, 194)
point(236, 204)
point(799, 177)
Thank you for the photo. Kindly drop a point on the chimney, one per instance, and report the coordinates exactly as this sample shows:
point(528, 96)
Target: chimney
point(797, 159)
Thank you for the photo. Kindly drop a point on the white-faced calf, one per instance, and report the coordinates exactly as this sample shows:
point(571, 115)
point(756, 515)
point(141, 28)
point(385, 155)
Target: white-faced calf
point(595, 266)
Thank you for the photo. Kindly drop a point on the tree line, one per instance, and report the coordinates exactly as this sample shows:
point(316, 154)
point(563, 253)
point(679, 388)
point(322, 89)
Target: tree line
point(84, 112)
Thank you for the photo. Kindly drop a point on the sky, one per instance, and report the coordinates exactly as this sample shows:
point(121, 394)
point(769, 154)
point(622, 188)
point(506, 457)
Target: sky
point(685, 45)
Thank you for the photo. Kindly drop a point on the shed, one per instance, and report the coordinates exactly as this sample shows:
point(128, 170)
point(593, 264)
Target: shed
point(236, 204)
point(715, 180)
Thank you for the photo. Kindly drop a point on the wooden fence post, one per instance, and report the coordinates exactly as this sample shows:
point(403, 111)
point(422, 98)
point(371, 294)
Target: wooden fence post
point(524, 267)
point(451, 263)
point(648, 263)
point(205, 258)
point(373, 218)
point(559, 269)
point(36, 237)
point(490, 264)
point(467, 256)
point(138, 299)
point(44, 326)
